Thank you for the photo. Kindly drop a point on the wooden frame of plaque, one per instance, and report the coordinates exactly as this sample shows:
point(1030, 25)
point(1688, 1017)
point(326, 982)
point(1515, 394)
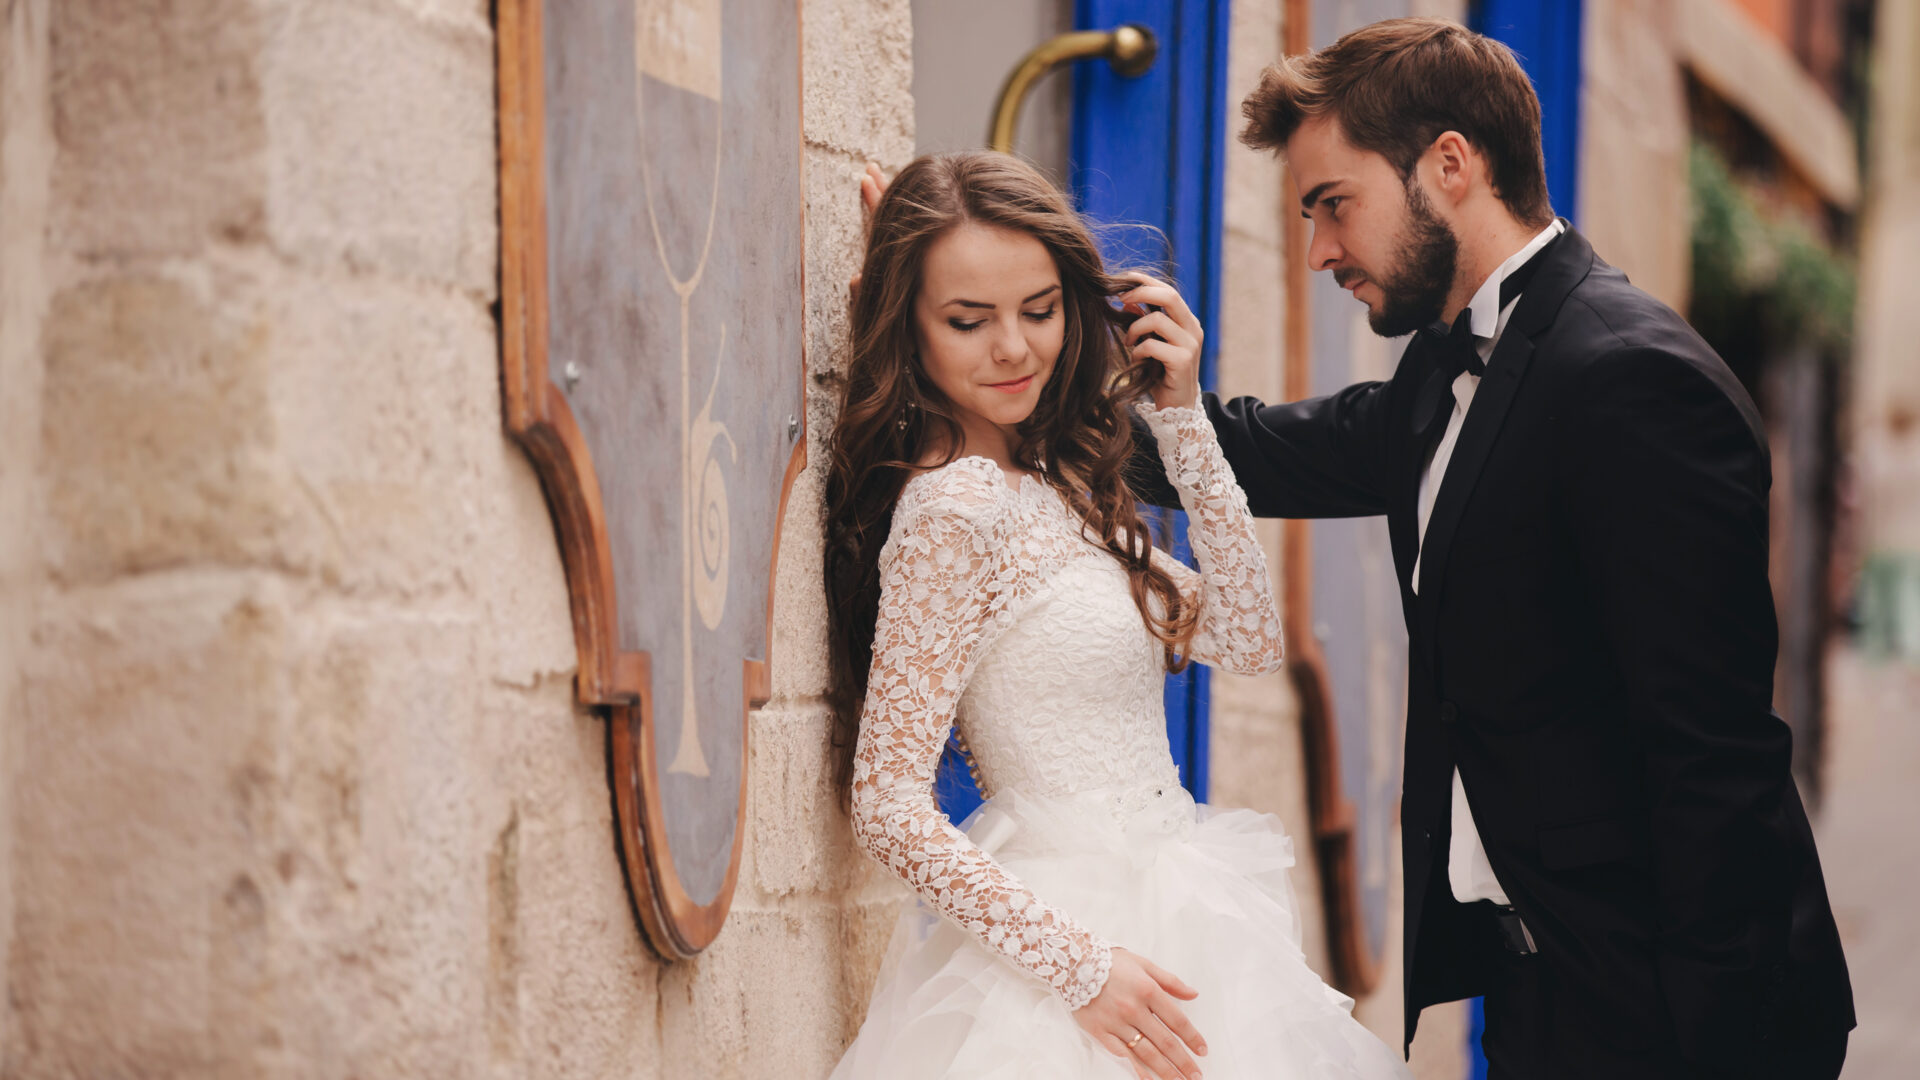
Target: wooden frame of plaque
point(619, 682)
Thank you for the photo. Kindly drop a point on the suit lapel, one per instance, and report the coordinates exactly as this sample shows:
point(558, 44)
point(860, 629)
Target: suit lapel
point(1477, 435)
point(1568, 264)
point(1403, 523)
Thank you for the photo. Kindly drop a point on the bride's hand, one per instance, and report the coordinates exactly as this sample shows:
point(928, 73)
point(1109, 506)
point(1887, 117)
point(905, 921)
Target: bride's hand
point(873, 184)
point(1177, 347)
point(1138, 1000)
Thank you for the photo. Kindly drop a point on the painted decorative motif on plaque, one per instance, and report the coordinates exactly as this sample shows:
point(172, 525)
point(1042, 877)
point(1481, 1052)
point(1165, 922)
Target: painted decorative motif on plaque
point(652, 233)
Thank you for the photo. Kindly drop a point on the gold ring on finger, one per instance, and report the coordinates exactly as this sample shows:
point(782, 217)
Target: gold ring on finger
point(1137, 1036)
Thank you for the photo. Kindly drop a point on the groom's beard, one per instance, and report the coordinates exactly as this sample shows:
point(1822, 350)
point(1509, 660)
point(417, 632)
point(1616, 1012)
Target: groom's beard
point(1415, 294)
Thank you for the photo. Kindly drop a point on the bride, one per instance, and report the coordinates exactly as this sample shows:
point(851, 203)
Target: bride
point(987, 571)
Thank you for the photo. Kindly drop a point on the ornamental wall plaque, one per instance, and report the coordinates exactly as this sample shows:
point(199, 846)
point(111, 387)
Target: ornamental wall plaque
point(651, 324)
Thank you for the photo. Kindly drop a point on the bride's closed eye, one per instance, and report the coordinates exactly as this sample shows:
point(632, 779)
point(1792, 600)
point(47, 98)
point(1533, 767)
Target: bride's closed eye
point(967, 327)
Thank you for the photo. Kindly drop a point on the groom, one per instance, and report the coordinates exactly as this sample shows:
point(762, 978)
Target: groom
point(1601, 835)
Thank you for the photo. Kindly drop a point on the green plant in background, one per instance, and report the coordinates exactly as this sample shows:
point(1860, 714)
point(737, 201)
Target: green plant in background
point(1725, 230)
point(1812, 291)
point(1756, 276)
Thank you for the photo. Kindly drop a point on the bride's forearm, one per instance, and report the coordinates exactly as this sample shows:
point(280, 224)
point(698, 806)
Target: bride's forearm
point(1240, 625)
point(898, 823)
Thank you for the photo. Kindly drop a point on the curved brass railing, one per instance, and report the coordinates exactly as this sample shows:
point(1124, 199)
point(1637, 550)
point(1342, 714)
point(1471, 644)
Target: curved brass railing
point(1130, 50)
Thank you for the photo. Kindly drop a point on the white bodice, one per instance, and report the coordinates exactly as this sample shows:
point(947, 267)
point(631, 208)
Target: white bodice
point(998, 613)
point(1070, 699)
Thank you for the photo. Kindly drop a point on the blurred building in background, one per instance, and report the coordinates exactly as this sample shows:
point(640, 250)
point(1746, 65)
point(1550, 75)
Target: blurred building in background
point(1884, 493)
point(1873, 767)
point(1725, 152)
point(293, 775)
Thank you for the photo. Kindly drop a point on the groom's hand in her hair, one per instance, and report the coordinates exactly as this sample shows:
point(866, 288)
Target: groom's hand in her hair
point(873, 184)
point(1168, 332)
point(1138, 999)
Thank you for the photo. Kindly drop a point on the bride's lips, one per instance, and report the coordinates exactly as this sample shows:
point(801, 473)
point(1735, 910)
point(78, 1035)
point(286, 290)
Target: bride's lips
point(1012, 386)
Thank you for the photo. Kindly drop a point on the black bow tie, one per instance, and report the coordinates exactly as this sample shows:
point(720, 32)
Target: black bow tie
point(1456, 351)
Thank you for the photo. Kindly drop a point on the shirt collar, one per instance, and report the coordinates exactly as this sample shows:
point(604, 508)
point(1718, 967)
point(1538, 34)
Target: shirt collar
point(1485, 305)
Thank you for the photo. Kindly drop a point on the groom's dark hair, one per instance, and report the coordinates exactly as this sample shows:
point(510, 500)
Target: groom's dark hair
point(1395, 86)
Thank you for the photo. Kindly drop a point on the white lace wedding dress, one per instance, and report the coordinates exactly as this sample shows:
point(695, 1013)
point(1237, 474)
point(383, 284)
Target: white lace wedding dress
point(998, 614)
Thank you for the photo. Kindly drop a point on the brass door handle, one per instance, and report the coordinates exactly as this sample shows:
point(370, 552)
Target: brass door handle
point(1130, 50)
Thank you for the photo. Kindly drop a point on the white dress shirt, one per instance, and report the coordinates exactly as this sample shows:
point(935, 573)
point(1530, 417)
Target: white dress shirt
point(1468, 871)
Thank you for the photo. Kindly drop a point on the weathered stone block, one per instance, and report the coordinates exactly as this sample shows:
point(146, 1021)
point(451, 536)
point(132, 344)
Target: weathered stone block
point(515, 569)
point(798, 841)
point(857, 67)
point(573, 991)
point(470, 14)
point(836, 235)
point(26, 168)
point(141, 943)
point(764, 1000)
point(387, 407)
point(385, 826)
point(158, 115)
point(800, 670)
point(383, 156)
point(866, 926)
point(157, 436)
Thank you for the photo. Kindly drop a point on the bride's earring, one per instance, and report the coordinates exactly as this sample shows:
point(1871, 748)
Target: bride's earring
point(906, 414)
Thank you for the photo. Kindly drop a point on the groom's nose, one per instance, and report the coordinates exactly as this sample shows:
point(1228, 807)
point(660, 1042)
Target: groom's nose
point(1324, 253)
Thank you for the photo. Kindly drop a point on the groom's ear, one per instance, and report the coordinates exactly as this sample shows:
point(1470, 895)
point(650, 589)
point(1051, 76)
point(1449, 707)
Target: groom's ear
point(1452, 165)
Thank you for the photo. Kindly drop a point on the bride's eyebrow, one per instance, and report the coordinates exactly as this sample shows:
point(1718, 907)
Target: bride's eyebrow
point(989, 307)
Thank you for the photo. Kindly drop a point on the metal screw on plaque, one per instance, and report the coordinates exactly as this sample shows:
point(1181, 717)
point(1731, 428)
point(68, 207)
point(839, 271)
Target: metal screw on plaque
point(793, 428)
point(571, 373)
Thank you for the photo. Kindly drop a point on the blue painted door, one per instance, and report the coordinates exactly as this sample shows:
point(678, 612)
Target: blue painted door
point(1546, 35)
point(1147, 162)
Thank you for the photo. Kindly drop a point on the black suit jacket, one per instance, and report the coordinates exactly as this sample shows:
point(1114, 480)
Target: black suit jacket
point(1593, 647)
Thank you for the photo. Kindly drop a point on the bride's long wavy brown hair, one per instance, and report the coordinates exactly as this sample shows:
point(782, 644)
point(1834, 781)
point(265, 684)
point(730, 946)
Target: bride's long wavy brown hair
point(1079, 435)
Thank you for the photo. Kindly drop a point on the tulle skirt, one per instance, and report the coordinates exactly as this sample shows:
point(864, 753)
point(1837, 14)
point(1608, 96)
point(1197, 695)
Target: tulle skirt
point(1202, 893)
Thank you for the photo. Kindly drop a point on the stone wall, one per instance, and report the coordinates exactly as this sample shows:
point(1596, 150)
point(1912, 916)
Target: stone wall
point(25, 167)
point(295, 783)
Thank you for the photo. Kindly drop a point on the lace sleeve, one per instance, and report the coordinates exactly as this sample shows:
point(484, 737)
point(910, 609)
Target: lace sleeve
point(942, 590)
point(1239, 621)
